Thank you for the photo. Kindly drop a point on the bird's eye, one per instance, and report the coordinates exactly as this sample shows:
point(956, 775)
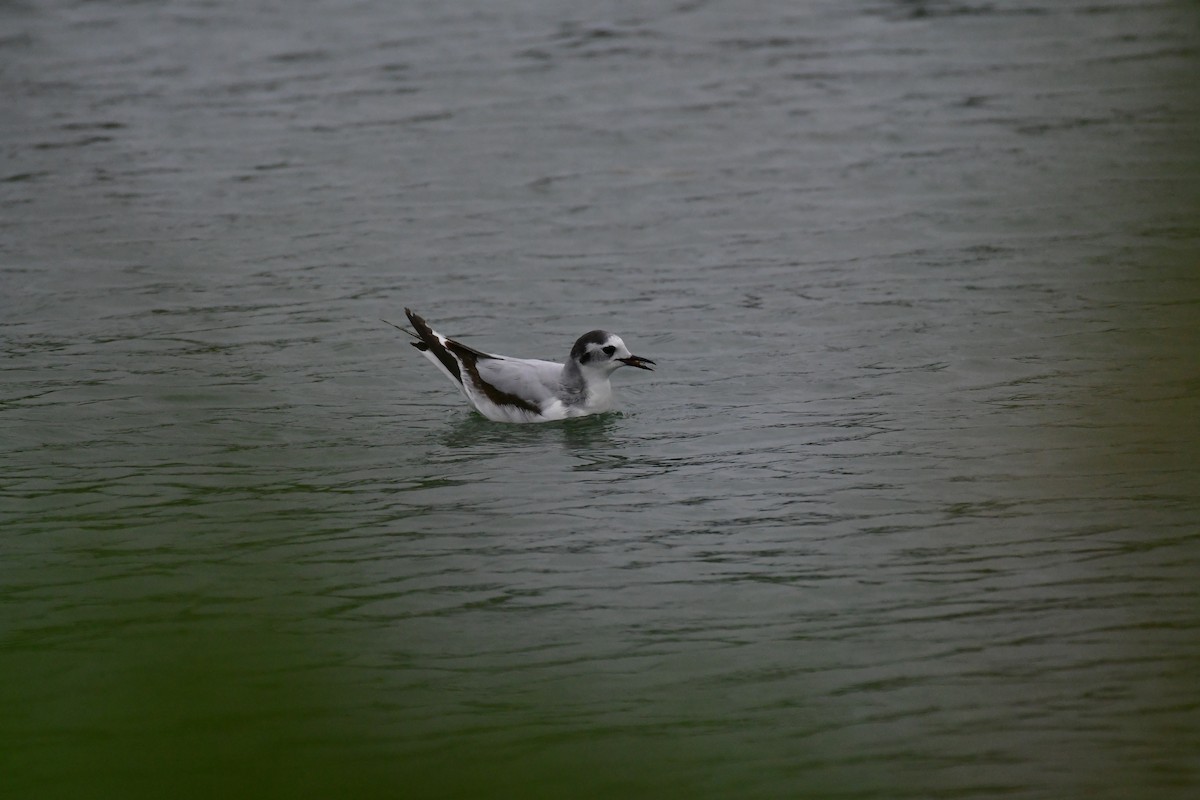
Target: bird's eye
point(608, 351)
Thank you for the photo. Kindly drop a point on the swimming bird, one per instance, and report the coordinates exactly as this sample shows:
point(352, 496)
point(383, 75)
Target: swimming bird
point(506, 389)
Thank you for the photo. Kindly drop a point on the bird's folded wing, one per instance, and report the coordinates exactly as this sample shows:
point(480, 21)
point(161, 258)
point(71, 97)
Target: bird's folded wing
point(519, 382)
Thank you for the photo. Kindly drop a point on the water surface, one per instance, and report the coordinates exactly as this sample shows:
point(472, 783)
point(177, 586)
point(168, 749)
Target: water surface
point(909, 508)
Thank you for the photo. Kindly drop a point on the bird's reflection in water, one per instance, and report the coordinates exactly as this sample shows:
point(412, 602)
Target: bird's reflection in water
point(477, 433)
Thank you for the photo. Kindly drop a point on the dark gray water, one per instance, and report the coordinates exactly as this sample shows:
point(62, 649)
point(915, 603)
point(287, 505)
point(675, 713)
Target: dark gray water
point(911, 507)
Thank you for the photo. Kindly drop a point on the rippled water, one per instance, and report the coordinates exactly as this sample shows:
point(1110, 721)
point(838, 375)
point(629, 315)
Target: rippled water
point(910, 508)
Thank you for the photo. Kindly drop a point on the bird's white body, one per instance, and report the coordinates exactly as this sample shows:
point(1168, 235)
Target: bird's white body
point(507, 389)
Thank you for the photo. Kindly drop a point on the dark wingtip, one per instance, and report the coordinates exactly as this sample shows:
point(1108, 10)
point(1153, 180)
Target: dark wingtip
point(405, 331)
point(418, 323)
point(425, 332)
point(427, 341)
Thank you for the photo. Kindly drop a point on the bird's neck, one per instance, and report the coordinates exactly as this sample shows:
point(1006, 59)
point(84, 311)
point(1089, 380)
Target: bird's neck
point(578, 388)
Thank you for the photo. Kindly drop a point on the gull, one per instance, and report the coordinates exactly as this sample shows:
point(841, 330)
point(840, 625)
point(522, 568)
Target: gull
point(506, 389)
